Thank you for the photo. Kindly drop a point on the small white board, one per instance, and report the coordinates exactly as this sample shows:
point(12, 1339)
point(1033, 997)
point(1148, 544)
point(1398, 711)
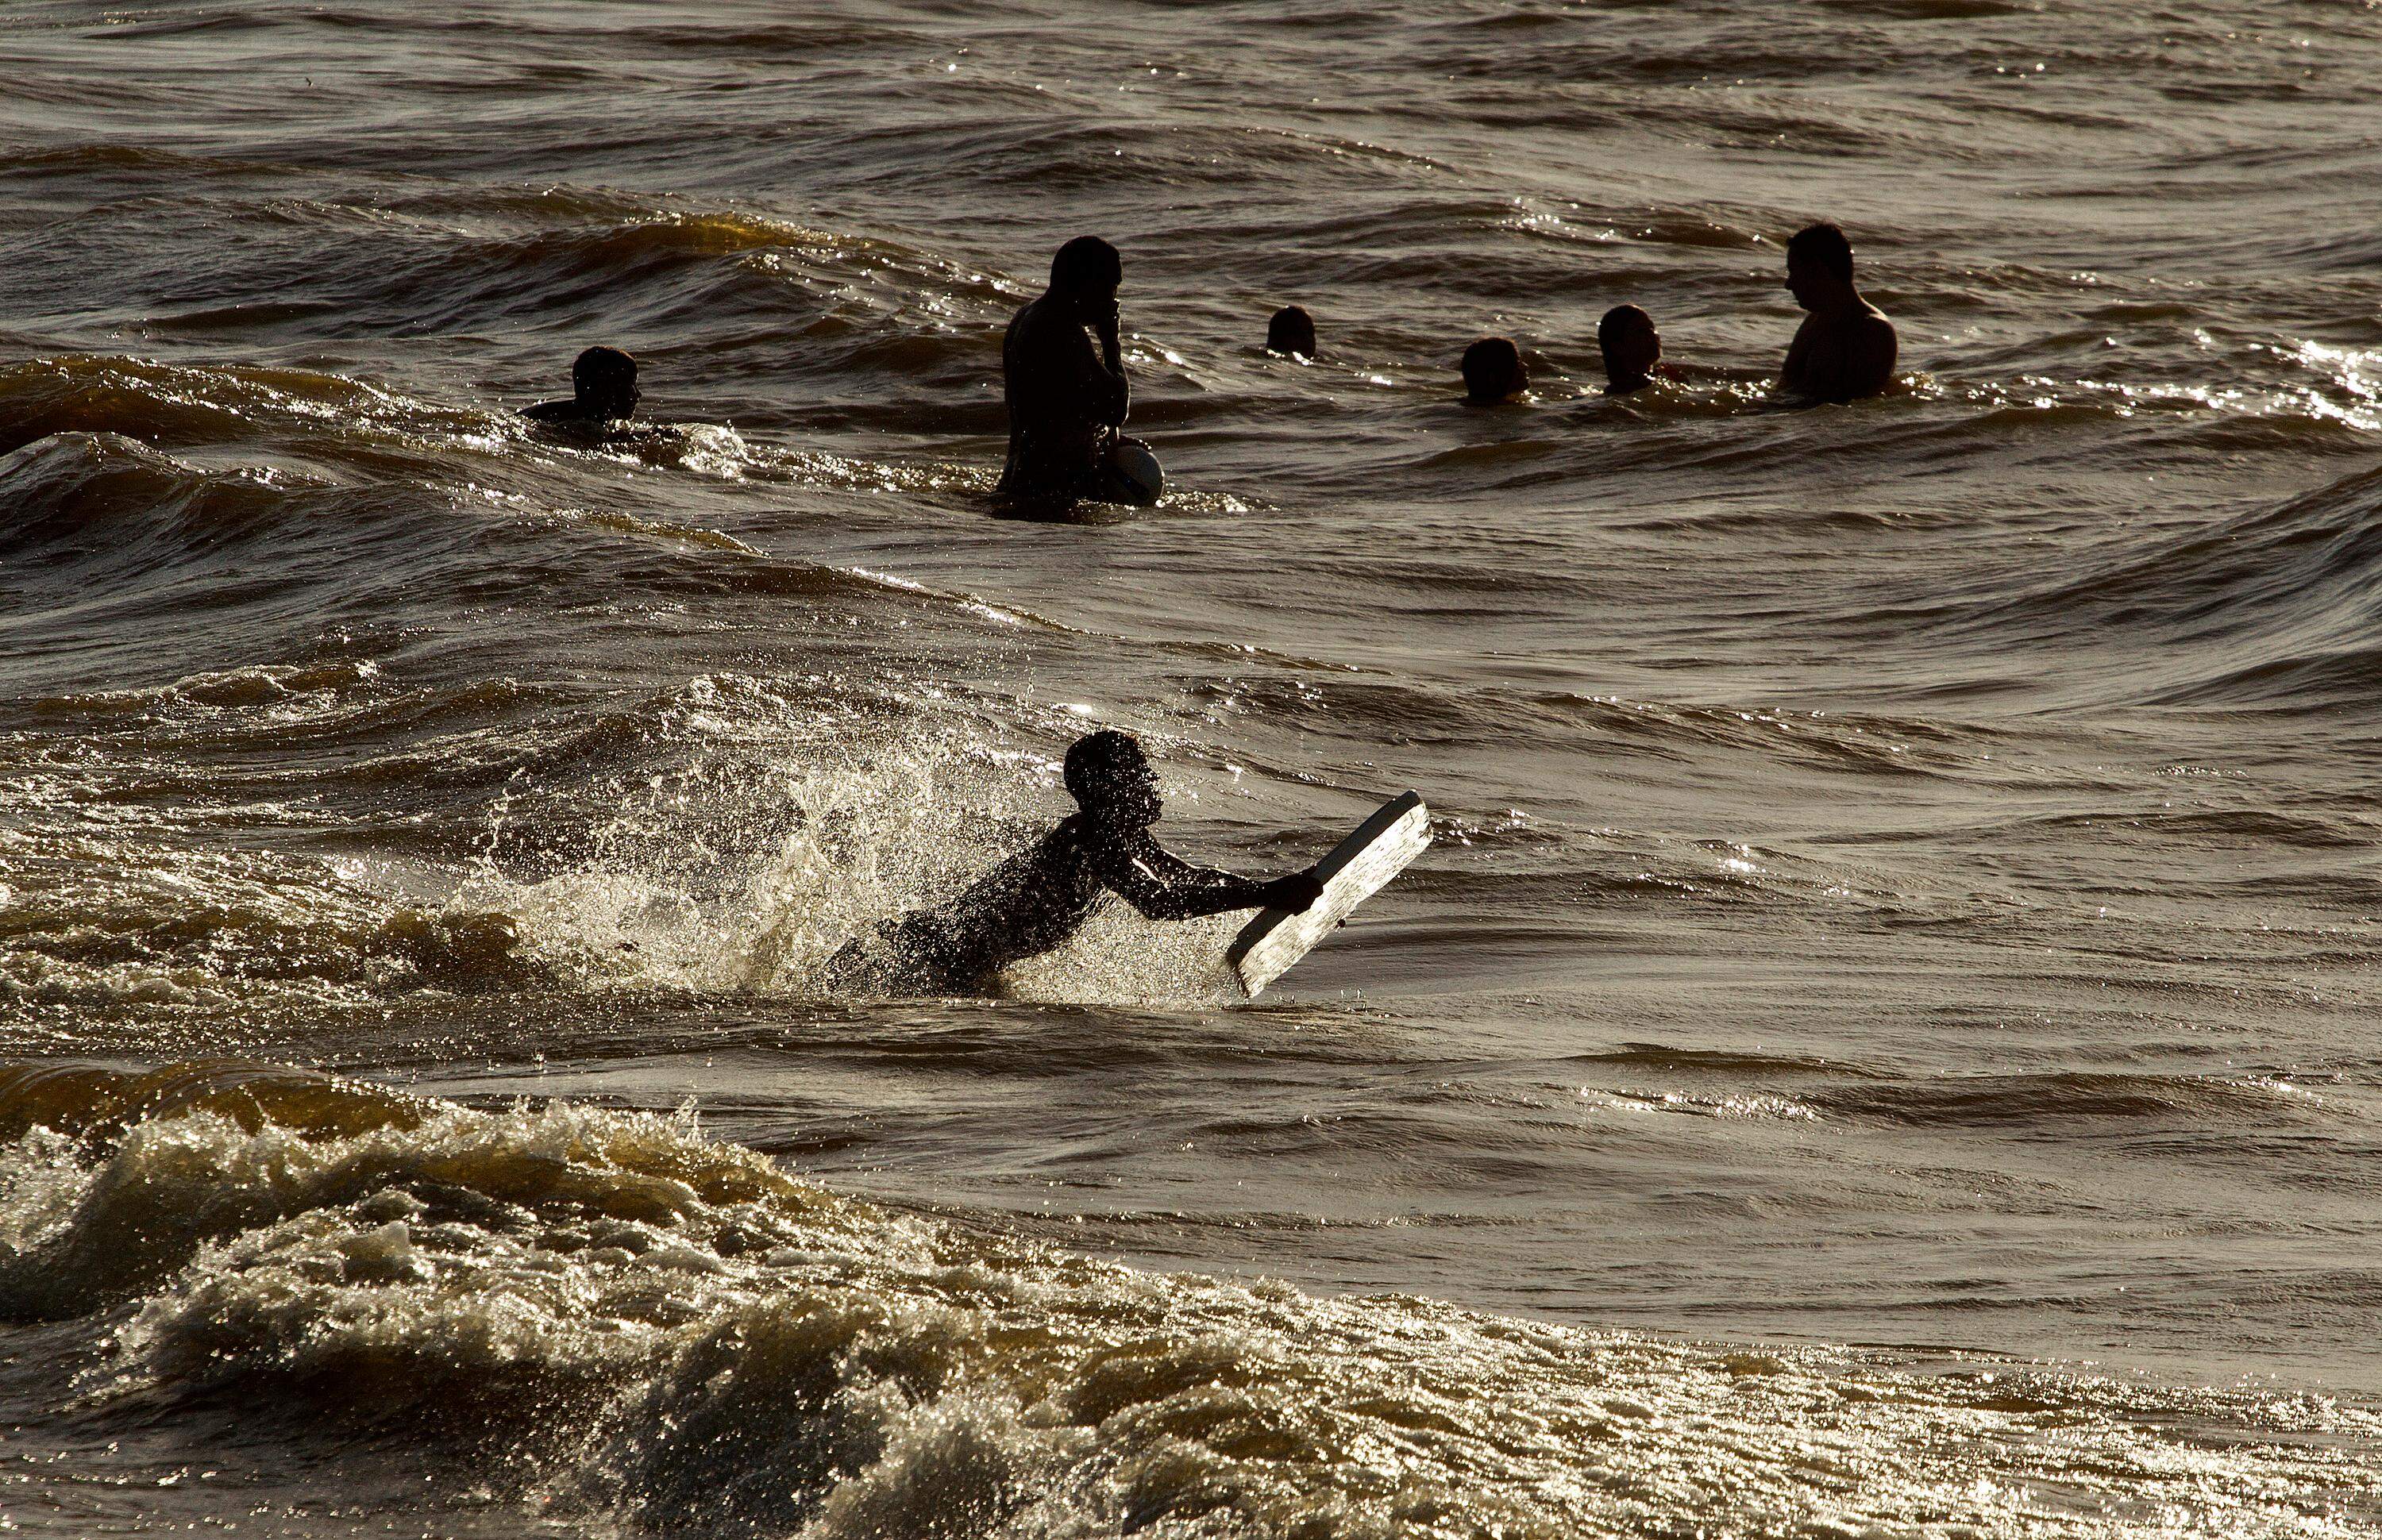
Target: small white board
point(1358, 867)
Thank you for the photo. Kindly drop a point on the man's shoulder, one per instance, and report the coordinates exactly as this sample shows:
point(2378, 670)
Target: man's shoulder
point(1070, 833)
point(1107, 841)
point(1878, 346)
point(1043, 323)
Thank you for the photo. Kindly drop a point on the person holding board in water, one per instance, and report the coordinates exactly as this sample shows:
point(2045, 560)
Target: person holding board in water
point(1066, 402)
point(1037, 899)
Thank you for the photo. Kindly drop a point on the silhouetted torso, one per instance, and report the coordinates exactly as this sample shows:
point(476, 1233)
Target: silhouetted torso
point(1063, 402)
point(1039, 898)
point(1842, 357)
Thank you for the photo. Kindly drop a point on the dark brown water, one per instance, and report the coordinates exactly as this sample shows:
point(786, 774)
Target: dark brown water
point(1883, 1042)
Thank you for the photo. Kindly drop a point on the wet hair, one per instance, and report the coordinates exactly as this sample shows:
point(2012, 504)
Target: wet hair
point(1087, 263)
point(1619, 320)
point(1292, 330)
point(1492, 369)
point(599, 367)
point(1823, 244)
point(1096, 760)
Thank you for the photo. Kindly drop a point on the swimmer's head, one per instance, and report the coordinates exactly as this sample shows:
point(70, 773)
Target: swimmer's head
point(604, 381)
point(1632, 346)
point(1819, 266)
point(1493, 371)
point(1291, 331)
point(1110, 779)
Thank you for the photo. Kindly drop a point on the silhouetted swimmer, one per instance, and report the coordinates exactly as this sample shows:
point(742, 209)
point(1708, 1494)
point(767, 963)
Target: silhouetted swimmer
point(1291, 331)
point(1037, 899)
point(1632, 350)
point(603, 390)
point(1493, 371)
point(1066, 402)
point(1846, 349)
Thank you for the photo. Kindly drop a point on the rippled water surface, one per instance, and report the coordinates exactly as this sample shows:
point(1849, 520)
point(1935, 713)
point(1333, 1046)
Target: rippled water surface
point(1882, 1044)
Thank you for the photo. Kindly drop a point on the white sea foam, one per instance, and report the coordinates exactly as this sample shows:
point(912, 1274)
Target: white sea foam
point(808, 841)
point(690, 1339)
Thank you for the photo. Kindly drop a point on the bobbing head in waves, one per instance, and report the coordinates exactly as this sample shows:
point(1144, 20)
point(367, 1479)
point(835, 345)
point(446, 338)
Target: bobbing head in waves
point(603, 389)
point(1632, 347)
point(1291, 331)
point(1493, 371)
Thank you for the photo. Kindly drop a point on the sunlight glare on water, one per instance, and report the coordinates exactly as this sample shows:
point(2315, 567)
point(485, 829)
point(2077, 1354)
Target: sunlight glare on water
point(1881, 1043)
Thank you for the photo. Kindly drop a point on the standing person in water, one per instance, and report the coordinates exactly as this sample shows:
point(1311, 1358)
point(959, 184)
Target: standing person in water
point(603, 391)
point(1037, 899)
point(1846, 347)
point(1066, 402)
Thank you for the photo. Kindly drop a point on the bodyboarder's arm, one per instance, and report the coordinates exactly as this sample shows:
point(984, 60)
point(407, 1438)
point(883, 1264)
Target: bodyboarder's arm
point(1165, 886)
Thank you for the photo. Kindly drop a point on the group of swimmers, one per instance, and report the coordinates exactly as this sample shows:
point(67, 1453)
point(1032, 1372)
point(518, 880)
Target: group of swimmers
point(1063, 382)
point(1063, 379)
point(1844, 351)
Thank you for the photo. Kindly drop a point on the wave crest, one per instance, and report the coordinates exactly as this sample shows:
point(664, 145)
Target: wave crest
point(684, 1336)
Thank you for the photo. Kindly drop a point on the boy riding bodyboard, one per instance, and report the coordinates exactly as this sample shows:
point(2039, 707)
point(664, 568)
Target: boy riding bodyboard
point(1037, 899)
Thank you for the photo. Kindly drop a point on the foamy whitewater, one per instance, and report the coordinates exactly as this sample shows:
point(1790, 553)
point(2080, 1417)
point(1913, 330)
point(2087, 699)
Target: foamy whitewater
point(1882, 1044)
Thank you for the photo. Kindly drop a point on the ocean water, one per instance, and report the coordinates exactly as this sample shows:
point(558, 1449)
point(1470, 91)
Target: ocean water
point(1883, 1042)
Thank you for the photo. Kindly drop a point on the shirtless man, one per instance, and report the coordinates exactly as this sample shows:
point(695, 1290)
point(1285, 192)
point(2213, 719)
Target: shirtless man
point(1066, 402)
point(1845, 349)
point(1038, 898)
point(603, 391)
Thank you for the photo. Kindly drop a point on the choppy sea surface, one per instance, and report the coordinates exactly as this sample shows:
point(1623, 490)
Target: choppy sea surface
point(1884, 1043)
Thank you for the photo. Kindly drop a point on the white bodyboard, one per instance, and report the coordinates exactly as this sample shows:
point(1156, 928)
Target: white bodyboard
point(1358, 867)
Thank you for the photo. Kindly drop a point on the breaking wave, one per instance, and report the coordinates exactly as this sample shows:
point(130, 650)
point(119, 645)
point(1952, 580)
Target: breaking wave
point(654, 1328)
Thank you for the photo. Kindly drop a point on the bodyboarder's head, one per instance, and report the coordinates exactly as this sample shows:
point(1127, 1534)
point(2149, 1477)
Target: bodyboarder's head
point(1111, 779)
point(604, 383)
point(1493, 371)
